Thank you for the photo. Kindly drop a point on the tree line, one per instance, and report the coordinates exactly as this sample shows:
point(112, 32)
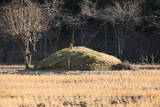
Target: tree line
point(25, 20)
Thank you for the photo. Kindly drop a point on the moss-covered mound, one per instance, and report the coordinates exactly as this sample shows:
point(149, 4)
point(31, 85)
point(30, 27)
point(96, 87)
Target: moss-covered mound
point(78, 58)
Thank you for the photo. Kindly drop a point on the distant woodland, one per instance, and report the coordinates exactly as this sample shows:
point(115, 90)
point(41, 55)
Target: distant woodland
point(128, 29)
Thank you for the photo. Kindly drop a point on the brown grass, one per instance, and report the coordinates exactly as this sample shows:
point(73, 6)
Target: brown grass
point(146, 65)
point(116, 89)
point(12, 65)
point(78, 58)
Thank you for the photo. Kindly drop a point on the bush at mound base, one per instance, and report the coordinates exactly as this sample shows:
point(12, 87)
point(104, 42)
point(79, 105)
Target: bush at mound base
point(78, 58)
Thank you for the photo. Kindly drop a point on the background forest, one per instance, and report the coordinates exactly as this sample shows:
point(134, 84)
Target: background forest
point(130, 30)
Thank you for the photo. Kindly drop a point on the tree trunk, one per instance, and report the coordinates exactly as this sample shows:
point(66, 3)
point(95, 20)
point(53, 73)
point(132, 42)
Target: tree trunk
point(27, 55)
point(120, 45)
point(28, 59)
point(72, 39)
point(105, 42)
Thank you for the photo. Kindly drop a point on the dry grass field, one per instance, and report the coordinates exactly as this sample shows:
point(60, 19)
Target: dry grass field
point(115, 89)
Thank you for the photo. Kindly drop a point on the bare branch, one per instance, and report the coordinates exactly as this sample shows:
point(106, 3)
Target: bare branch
point(89, 8)
point(121, 12)
point(23, 20)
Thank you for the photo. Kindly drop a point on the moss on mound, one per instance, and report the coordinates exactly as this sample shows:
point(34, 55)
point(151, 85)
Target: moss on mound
point(78, 58)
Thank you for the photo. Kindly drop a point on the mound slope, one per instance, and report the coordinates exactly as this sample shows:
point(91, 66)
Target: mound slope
point(78, 58)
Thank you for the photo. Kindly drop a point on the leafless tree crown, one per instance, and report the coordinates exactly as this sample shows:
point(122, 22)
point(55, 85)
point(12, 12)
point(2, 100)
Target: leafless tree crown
point(23, 18)
point(88, 8)
point(122, 12)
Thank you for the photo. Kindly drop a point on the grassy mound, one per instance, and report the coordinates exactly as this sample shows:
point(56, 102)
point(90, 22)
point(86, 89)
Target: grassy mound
point(78, 58)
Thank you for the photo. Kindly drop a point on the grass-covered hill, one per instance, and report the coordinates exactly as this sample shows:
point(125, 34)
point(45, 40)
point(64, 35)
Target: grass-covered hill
point(78, 58)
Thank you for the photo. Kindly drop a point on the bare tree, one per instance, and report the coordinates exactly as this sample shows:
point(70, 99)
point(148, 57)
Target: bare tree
point(23, 20)
point(75, 22)
point(59, 18)
point(123, 17)
point(88, 10)
point(53, 11)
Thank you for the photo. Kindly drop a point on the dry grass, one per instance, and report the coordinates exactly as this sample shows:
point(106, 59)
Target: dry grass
point(146, 65)
point(78, 58)
point(124, 89)
point(12, 65)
